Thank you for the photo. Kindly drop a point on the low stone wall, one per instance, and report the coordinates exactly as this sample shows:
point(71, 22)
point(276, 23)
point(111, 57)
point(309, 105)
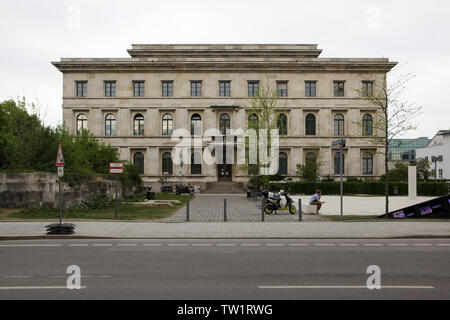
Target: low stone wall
point(19, 190)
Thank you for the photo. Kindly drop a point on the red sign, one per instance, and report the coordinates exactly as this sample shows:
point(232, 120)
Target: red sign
point(116, 167)
point(59, 157)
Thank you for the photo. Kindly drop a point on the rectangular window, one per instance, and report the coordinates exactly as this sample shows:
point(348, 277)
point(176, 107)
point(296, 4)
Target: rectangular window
point(110, 88)
point(196, 88)
point(310, 88)
point(138, 88)
point(367, 88)
point(253, 88)
point(167, 88)
point(81, 88)
point(282, 90)
point(339, 88)
point(224, 88)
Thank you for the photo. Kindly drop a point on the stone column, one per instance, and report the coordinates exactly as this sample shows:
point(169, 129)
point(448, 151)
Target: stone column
point(412, 182)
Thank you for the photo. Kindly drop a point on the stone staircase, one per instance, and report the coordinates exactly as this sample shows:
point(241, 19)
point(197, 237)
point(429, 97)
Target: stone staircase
point(224, 187)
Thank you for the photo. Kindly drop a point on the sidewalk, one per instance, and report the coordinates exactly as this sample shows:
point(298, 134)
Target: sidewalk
point(238, 230)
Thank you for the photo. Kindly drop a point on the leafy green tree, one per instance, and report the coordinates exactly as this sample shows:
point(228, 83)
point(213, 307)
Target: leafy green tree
point(423, 169)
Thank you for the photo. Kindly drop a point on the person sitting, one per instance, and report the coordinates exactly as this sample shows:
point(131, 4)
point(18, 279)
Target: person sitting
point(315, 200)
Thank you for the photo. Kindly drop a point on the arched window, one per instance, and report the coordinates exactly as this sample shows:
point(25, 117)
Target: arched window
point(110, 125)
point(339, 125)
point(167, 124)
point(311, 158)
point(337, 163)
point(196, 125)
point(310, 125)
point(224, 123)
point(138, 160)
point(253, 121)
point(138, 124)
point(167, 166)
point(282, 163)
point(196, 163)
point(81, 123)
point(367, 163)
point(282, 124)
point(367, 126)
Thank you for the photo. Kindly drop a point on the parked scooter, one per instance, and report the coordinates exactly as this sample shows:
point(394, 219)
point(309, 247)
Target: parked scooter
point(278, 202)
point(179, 189)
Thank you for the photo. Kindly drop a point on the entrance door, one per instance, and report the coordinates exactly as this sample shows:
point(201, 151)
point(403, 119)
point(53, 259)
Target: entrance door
point(224, 172)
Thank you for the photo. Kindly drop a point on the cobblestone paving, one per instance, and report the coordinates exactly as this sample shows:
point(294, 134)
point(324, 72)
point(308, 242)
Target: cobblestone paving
point(210, 208)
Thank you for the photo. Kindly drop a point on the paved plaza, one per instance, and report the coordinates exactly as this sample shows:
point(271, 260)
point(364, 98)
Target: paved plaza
point(210, 208)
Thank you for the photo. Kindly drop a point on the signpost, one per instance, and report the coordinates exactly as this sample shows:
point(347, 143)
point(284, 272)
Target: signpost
point(60, 164)
point(59, 228)
point(341, 143)
point(116, 168)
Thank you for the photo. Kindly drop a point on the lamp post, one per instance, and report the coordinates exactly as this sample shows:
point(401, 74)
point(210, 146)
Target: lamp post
point(341, 143)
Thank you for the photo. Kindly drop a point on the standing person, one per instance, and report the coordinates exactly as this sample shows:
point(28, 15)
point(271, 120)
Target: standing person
point(315, 200)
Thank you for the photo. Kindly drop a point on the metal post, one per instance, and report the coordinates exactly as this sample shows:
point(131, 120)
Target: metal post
point(299, 209)
point(187, 210)
point(341, 161)
point(435, 171)
point(116, 215)
point(262, 209)
point(225, 210)
point(59, 200)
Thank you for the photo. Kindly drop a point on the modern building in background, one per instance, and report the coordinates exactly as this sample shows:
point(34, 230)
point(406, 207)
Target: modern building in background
point(438, 153)
point(404, 150)
point(136, 103)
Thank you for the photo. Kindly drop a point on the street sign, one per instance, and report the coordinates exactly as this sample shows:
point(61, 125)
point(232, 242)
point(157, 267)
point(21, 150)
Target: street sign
point(340, 142)
point(60, 171)
point(59, 157)
point(116, 167)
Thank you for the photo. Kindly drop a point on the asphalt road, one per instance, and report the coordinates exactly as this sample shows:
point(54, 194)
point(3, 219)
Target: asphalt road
point(225, 269)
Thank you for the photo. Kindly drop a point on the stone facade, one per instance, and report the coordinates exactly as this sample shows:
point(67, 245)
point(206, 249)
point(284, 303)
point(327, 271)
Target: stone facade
point(237, 65)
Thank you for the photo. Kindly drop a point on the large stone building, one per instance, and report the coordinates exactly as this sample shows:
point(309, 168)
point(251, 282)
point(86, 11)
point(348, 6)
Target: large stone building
point(135, 103)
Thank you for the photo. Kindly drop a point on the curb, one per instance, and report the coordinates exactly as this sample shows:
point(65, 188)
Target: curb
point(75, 237)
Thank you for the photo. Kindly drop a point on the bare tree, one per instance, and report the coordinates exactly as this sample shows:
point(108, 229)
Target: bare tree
point(262, 115)
point(394, 116)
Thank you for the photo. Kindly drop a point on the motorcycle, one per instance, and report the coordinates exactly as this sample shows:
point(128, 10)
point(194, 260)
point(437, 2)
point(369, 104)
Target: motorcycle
point(276, 202)
point(179, 189)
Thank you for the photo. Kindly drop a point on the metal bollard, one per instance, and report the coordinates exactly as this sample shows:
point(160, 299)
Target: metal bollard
point(262, 209)
point(187, 210)
point(225, 210)
point(299, 209)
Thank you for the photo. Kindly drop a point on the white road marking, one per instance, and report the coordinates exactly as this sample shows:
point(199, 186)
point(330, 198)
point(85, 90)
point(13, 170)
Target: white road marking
point(102, 245)
point(349, 244)
point(344, 287)
point(398, 244)
point(422, 244)
point(250, 244)
point(372, 244)
point(78, 245)
point(152, 244)
point(299, 244)
point(226, 244)
point(177, 244)
point(202, 245)
point(17, 277)
point(31, 245)
point(275, 244)
point(38, 288)
point(443, 244)
point(127, 245)
point(324, 244)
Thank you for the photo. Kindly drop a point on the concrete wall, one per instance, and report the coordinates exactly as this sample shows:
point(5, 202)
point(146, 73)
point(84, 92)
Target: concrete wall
point(41, 190)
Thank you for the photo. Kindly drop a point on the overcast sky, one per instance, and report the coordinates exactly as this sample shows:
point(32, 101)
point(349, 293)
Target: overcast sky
point(414, 33)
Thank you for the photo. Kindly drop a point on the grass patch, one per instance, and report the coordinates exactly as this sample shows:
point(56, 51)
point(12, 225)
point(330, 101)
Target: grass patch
point(101, 210)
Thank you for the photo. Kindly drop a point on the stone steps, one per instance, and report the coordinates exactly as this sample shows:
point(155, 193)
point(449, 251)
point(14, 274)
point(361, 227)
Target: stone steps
point(225, 187)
